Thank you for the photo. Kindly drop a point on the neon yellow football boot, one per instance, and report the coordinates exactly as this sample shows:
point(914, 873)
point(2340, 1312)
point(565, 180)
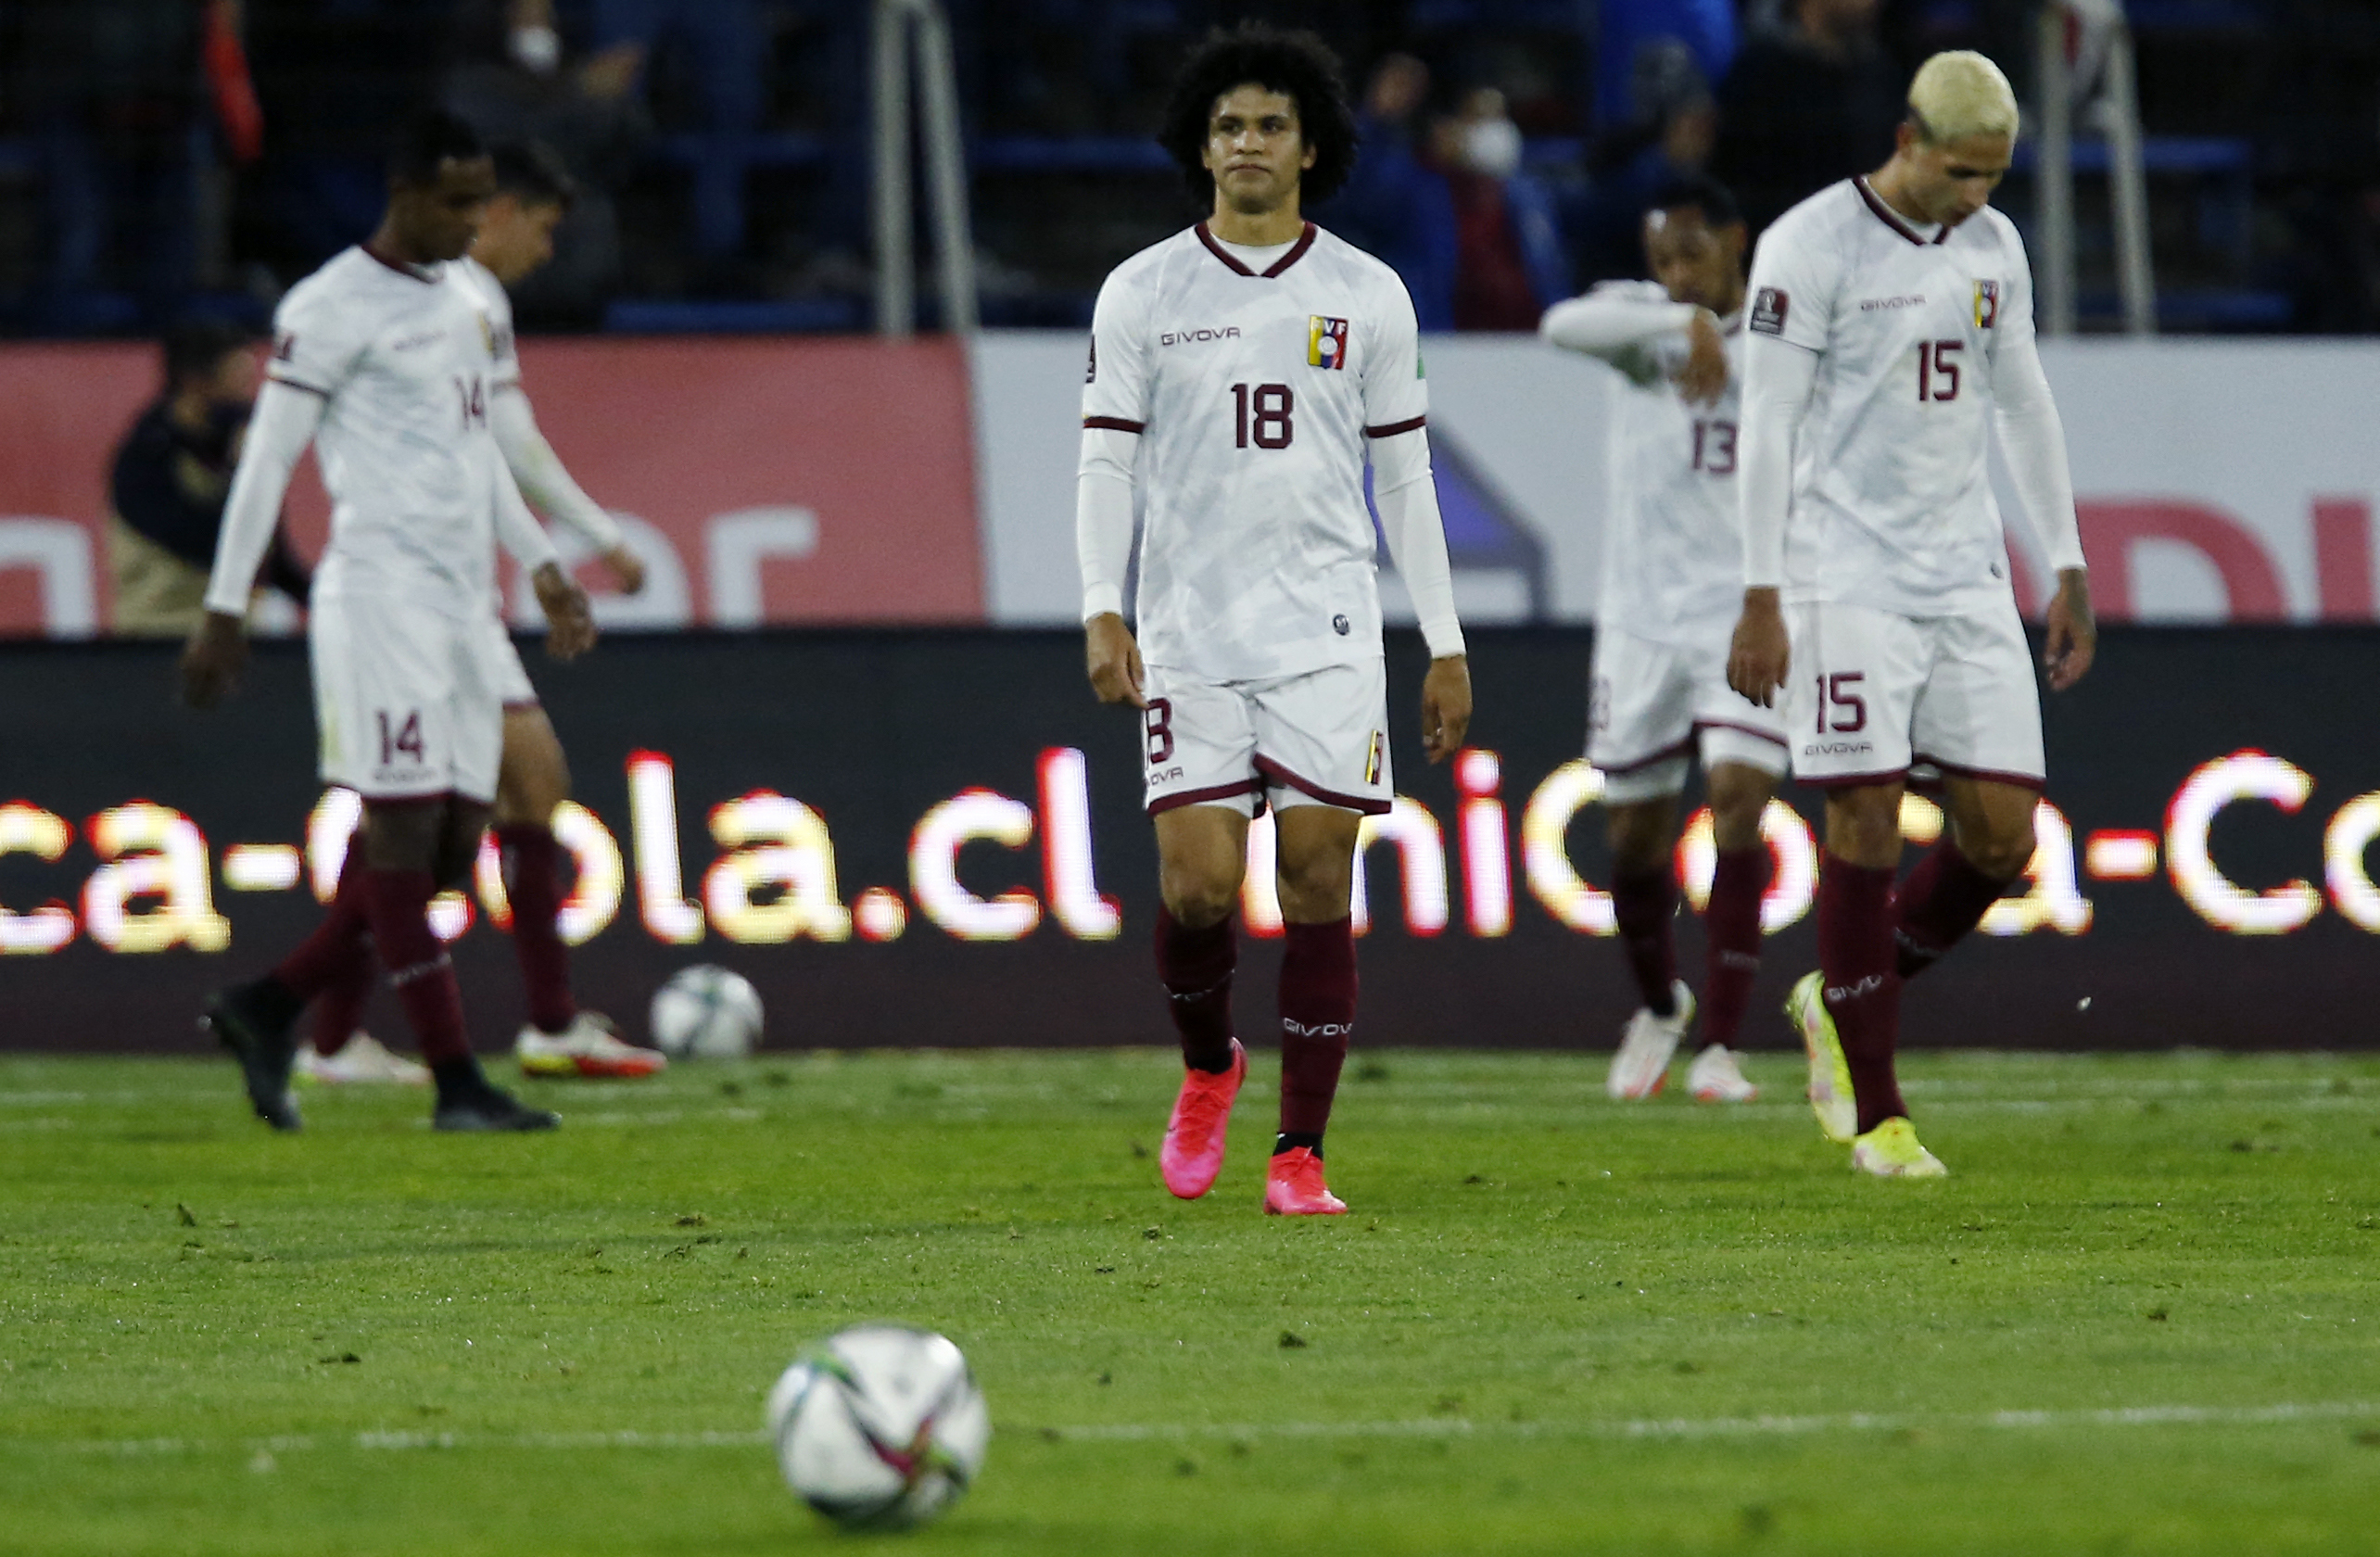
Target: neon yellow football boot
point(1830, 1096)
point(1892, 1151)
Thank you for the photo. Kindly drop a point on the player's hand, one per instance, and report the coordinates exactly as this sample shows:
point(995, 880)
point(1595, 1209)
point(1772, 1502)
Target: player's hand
point(570, 621)
point(628, 568)
point(214, 659)
point(2073, 631)
point(1703, 378)
point(1761, 652)
point(1446, 706)
point(1114, 661)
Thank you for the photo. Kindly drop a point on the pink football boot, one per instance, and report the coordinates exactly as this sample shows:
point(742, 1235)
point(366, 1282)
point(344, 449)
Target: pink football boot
point(1293, 1187)
point(1192, 1153)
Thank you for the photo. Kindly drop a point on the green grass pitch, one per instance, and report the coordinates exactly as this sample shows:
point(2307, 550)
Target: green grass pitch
point(2141, 1317)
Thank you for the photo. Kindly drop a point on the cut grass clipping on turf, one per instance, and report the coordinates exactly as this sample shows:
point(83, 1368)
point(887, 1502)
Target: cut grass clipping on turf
point(2138, 1317)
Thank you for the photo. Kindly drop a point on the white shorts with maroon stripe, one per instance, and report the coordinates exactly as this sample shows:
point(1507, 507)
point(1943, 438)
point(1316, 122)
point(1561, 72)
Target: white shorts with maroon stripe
point(502, 658)
point(1650, 704)
point(1874, 696)
point(402, 699)
point(1317, 738)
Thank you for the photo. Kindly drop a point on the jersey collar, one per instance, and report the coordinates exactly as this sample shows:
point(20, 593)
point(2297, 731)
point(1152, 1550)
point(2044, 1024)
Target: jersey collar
point(1891, 218)
point(426, 276)
point(1296, 252)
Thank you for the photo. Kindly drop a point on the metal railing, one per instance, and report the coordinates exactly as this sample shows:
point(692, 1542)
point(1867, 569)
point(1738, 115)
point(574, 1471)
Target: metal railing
point(899, 25)
point(2086, 59)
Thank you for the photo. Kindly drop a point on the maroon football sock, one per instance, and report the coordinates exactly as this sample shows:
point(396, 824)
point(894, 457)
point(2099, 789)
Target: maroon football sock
point(328, 956)
point(1731, 924)
point(1645, 905)
point(1862, 991)
point(1317, 1017)
point(532, 882)
point(1944, 898)
point(398, 903)
point(1196, 966)
point(338, 1005)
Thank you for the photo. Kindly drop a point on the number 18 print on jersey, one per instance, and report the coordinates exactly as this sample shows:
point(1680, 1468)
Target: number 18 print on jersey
point(1254, 394)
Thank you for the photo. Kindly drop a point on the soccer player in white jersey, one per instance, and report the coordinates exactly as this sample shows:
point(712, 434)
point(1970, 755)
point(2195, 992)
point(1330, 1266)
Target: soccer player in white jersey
point(1672, 581)
point(383, 360)
point(533, 194)
point(1891, 329)
point(1242, 372)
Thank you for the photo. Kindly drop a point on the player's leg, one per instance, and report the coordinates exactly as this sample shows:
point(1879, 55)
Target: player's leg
point(1987, 846)
point(1200, 786)
point(532, 781)
point(1740, 793)
point(1640, 728)
point(1315, 877)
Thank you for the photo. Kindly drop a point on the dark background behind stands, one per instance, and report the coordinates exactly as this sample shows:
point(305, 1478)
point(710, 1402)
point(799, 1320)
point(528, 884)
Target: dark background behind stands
point(729, 159)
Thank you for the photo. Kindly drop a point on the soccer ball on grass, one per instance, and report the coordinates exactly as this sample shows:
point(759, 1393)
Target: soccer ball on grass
point(879, 1427)
point(707, 1013)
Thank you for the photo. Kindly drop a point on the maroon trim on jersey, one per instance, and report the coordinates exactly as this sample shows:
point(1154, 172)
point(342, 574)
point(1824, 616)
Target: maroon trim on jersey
point(522, 705)
point(410, 272)
point(1395, 427)
point(1614, 770)
point(293, 384)
point(1770, 736)
point(1855, 780)
point(1280, 774)
point(1988, 775)
point(1296, 252)
point(1115, 424)
point(1199, 797)
point(1891, 218)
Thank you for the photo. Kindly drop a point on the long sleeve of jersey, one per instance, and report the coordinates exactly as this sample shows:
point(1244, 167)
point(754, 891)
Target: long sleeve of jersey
point(1617, 324)
point(1407, 498)
point(284, 423)
point(2034, 442)
point(1103, 517)
point(1777, 382)
point(540, 474)
point(518, 529)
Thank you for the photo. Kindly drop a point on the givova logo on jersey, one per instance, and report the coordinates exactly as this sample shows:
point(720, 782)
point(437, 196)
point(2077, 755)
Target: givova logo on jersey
point(1325, 342)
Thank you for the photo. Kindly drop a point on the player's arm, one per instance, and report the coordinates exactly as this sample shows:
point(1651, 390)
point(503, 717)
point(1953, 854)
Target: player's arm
point(1103, 549)
point(546, 482)
point(1778, 377)
point(1621, 324)
point(1396, 417)
point(1114, 410)
point(2034, 442)
point(570, 622)
point(285, 422)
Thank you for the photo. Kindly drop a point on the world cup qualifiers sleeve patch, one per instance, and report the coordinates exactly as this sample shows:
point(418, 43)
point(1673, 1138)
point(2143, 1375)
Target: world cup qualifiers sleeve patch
point(285, 347)
point(1987, 304)
point(1091, 370)
point(1325, 342)
point(1768, 311)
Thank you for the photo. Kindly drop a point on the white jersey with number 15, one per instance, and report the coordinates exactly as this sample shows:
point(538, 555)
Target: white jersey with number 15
point(1255, 397)
point(1892, 507)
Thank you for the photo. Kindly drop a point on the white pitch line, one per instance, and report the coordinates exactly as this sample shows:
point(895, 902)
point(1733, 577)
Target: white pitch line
point(1430, 1427)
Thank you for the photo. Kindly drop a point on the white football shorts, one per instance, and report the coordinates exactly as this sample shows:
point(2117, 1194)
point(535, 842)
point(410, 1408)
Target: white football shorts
point(1319, 738)
point(1649, 705)
point(502, 658)
point(1874, 696)
point(403, 700)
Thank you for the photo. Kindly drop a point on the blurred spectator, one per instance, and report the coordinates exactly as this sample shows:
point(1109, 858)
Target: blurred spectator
point(1394, 205)
point(517, 87)
point(1703, 32)
point(172, 473)
point(113, 87)
point(1509, 265)
point(1668, 137)
point(1806, 103)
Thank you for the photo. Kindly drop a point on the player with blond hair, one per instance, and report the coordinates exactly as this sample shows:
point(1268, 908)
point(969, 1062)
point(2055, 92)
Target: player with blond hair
point(1890, 331)
point(1243, 372)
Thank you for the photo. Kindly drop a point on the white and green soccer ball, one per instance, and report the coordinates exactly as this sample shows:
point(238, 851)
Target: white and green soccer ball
point(879, 1427)
point(705, 1013)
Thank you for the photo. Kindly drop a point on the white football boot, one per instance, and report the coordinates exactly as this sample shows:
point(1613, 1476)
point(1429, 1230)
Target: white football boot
point(1716, 1076)
point(1646, 1047)
point(591, 1045)
point(361, 1058)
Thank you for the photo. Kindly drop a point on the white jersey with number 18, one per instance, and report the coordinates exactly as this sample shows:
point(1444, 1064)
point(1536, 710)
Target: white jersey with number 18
point(1892, 507)
point(1255, 395)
